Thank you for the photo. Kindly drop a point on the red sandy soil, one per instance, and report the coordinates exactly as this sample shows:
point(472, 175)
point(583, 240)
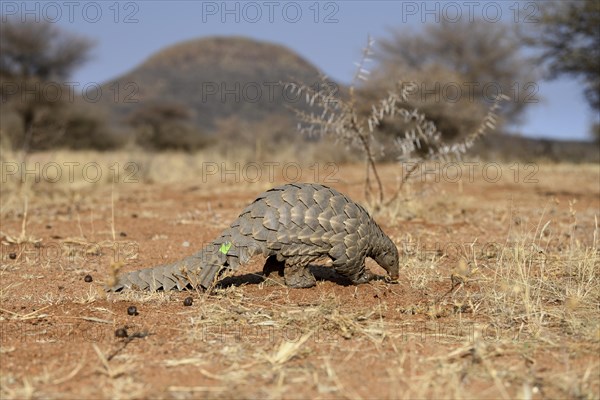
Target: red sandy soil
point(376, 340)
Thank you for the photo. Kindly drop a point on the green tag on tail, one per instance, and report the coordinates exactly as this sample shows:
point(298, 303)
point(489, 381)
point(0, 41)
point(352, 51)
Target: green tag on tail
point(225, 247)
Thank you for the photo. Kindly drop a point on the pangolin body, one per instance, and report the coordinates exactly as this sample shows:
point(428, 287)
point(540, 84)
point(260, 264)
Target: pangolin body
point(292, 225)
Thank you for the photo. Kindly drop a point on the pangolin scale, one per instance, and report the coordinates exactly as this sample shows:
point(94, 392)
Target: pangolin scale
point(292, 225)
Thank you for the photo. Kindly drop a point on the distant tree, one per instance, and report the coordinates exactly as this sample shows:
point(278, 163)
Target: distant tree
point(569, 36)
point(459, 68)
point(166, 126)
point(34, 59)
point(85, 128)
point(595, 131)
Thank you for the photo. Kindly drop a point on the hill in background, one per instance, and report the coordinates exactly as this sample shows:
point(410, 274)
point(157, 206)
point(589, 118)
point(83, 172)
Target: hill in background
point(211, 79)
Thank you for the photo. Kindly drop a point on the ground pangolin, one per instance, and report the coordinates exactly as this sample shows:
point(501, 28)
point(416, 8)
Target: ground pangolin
point(292, 225)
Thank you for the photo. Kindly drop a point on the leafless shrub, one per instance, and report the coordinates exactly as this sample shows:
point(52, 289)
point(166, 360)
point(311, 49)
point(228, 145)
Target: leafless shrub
point(341, 119)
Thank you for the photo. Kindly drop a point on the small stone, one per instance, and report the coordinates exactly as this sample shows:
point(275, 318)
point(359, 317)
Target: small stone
point(48, 226)
point(123, 234)
point(185, 244)
point(88, 278)
point(188, 301)
point(121, 333)
point(134, 215)
point(132, 310)
point(12, 256)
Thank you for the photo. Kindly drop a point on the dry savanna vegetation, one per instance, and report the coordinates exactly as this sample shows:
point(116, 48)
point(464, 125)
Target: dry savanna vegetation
point(499, 289)
point(498, 297)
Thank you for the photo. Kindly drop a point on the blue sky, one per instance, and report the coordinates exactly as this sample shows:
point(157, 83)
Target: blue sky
point(330, 34)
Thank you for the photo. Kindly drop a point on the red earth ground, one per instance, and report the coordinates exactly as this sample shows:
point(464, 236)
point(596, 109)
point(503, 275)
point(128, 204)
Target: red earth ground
point(497, 334)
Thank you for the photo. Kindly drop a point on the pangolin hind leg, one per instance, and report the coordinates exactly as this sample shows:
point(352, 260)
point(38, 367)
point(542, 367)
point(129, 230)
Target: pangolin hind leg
point(296, 273)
